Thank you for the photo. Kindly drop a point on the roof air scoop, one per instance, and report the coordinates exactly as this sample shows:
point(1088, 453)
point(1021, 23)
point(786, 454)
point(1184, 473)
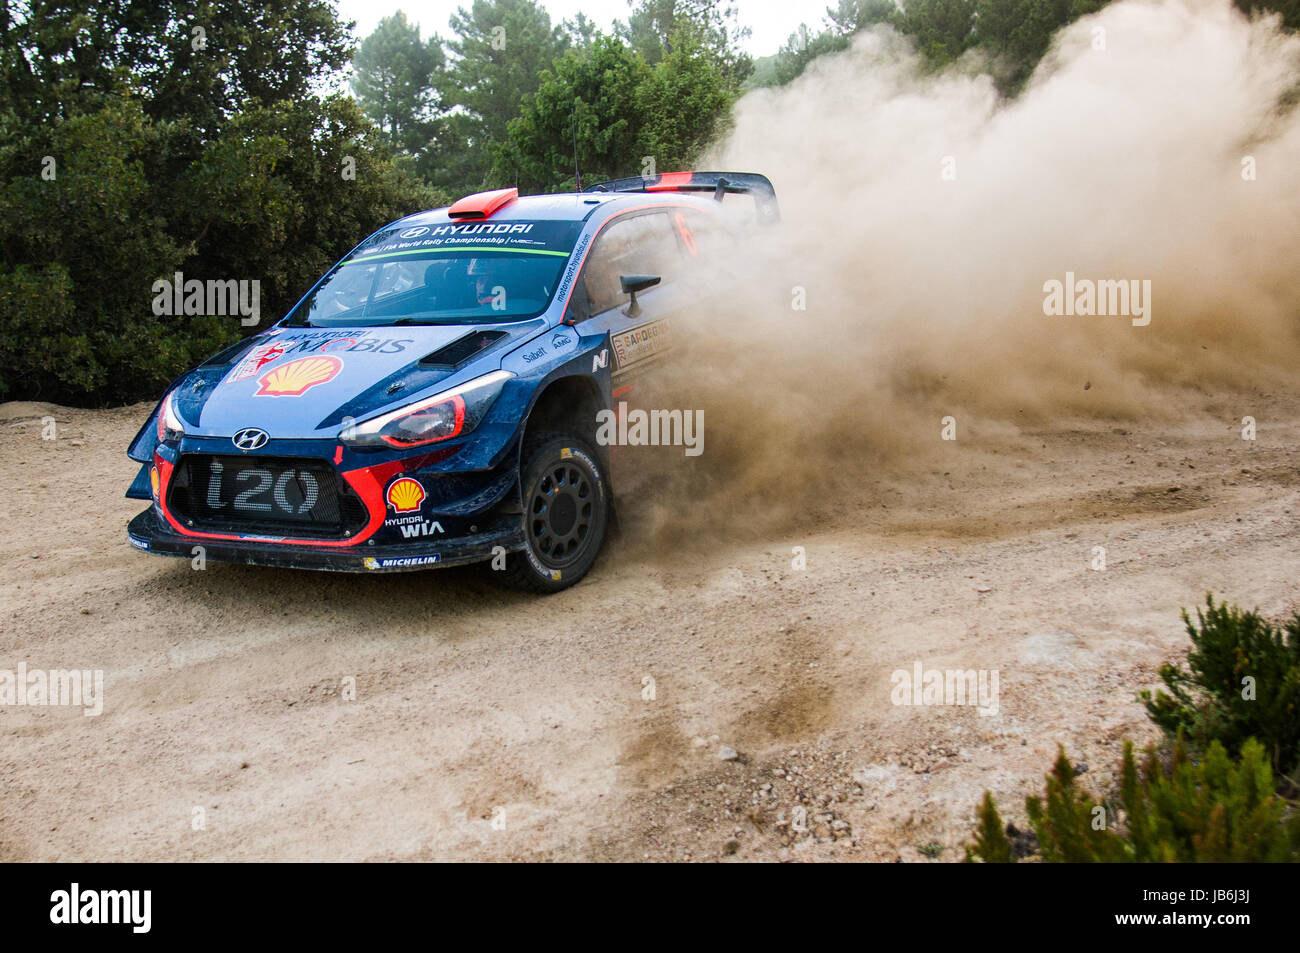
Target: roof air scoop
point(482, 204)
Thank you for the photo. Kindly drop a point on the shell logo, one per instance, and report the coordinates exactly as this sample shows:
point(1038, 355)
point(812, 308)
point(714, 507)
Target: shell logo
point(405, 495)
point(153, 481)
point(293, 379)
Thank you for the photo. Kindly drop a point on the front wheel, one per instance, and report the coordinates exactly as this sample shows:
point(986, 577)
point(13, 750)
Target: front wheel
point(566, 512)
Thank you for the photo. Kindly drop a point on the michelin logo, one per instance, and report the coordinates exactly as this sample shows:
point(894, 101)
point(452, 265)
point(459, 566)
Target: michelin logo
point(400, 562)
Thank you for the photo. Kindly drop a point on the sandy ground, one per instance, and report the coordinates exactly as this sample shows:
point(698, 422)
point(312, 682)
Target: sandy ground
point(490, 725)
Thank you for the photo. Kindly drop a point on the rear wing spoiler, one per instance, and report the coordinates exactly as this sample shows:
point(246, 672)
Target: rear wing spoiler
point(719, 183)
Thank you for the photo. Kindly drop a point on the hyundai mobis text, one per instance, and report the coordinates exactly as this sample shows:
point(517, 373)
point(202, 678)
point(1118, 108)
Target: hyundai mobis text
point(433, 399)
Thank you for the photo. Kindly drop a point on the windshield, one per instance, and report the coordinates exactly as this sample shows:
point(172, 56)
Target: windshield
point(461, 273)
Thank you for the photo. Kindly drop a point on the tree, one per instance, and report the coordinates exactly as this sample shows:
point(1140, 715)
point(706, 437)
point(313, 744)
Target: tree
point(801, 49)
point(618, 111)
point(1019, 31)
point(708, 27)
point(1288, 9)
point(850, 16)
point(590, 97)
point(196, 62)
point(501, 48)
point(1242, 681)
point(394, 74)
point(1171, 809)
point(582, 32)
point(943, 29)
point(110, 179)
point(685, 104)
point(842, 22)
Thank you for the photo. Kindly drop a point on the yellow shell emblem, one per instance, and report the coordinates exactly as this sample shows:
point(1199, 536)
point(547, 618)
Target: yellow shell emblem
point(405, 495)
point(294, 378)
point(153, 481)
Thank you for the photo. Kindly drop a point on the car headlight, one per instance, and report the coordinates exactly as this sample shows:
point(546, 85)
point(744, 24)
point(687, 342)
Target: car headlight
point(169, 424)
point(440, 417)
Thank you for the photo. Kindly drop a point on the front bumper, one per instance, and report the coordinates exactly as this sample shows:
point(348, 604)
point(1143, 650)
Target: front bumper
point(146, 532)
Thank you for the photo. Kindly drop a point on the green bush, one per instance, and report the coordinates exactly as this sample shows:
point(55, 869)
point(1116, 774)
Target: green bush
point(1242, 681)
point(127, 155)
point(1175, 809)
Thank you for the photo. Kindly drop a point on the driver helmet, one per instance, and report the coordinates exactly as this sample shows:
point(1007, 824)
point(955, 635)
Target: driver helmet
point(487, 274)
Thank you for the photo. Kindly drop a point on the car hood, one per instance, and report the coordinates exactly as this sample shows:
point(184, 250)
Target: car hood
point(301, 383)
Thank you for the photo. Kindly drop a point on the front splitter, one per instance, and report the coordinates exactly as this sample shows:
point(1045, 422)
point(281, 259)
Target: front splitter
point(146, 533)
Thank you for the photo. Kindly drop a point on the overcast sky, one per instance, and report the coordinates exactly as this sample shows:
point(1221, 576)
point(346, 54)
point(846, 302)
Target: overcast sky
point(771, 21)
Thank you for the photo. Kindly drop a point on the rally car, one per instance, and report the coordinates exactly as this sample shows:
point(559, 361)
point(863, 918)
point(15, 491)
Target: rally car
point(432, 400)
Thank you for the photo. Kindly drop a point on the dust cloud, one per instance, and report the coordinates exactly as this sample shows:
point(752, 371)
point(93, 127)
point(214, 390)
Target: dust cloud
point(922, 217)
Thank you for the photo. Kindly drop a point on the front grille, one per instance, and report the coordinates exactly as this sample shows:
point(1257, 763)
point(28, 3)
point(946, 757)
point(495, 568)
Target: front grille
point(281, 496)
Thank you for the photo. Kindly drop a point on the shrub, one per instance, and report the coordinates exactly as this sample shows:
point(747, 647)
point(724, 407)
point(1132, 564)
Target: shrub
point(1242, 681)
point(1175, 809)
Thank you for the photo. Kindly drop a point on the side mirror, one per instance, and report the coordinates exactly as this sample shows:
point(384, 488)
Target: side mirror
point(631, 285)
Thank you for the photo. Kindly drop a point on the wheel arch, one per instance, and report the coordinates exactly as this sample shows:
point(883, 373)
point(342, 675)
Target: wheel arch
point(569, 404)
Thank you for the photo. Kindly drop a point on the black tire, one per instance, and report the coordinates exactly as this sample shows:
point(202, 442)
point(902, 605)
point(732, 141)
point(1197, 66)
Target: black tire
point(566, 513)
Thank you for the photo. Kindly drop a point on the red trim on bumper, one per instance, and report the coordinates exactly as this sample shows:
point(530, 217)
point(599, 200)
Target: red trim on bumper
point(368, 482)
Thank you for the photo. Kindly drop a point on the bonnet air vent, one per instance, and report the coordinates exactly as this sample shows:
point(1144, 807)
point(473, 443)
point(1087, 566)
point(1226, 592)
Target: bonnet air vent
point(460, 351)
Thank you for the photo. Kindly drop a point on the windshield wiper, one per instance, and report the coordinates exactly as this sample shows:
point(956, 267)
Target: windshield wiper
point(408, 321)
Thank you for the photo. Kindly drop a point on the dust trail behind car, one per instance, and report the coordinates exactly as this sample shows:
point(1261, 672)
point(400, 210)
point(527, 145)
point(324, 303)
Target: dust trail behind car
point(924, 218)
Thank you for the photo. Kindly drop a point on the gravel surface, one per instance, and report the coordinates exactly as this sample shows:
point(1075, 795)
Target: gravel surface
point(708, 702)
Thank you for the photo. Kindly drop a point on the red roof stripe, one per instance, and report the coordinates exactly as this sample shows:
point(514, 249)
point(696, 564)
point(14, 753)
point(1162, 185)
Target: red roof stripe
point(669, 181)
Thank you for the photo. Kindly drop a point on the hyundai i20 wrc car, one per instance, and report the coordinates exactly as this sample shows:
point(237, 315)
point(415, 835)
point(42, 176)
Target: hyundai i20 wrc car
point(432, 400)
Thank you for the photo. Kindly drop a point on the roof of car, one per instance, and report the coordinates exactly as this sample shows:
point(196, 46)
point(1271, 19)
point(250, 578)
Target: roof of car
point(559, 206)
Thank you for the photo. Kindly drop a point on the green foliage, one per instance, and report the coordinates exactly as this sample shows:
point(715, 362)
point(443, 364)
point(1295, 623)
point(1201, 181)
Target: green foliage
point(942, 29)
point(853, 15)
point(500, 49)
point(658, 28)
point(395, 73)
point(1288, 10)
point(801, 49)
point(582, 31)
point(620, 110)
point(1018, 32)
point(1238, 702)
point(1211, 700)
point(591, 96)
point(685, 104)
point(65, 58)
point(517, 92)
point(81, 251)
point(1175, 810)
point(803, 46)
point(991, 843)
point(127, 155)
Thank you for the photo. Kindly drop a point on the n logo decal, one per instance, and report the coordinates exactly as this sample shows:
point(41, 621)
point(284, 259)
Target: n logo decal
point(600, 360)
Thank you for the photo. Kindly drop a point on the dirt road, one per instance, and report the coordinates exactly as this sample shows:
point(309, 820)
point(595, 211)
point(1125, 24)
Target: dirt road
point(489, 725)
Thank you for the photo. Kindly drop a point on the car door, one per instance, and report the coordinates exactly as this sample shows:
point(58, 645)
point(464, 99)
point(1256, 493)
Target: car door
point(639, 243)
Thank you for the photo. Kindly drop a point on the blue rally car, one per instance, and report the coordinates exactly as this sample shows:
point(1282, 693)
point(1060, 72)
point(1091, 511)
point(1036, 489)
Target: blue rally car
point(433, 400)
